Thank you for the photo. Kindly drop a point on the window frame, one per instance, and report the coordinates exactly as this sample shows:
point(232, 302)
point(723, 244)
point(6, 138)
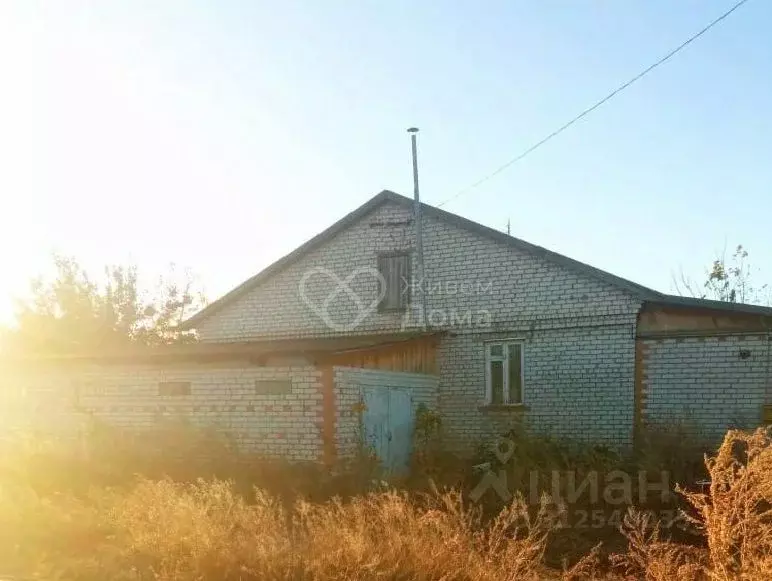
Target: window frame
point(504, 358)
point(404, 304)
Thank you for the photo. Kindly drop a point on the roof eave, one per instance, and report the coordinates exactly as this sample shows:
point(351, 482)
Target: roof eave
point(673, 301)
point(637, 290)
point(286, 260)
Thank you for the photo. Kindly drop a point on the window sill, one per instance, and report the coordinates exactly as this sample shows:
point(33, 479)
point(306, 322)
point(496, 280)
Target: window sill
point(387, 310)
point(508, 407)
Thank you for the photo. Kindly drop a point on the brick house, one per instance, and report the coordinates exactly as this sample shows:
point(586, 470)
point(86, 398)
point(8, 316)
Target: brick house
point(340, 342)
point(522, 334)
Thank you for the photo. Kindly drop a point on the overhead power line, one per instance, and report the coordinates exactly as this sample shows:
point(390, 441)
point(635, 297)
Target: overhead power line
point(589, 110)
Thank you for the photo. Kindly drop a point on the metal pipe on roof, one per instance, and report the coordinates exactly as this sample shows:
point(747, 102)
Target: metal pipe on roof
point(418, 227)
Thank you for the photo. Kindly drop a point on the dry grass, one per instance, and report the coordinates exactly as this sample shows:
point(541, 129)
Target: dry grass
point(162, 530)
point(736, 513)
point(165, 531)
point(734, 516)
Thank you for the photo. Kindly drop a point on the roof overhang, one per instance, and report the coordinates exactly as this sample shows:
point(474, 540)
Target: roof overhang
point(253, 351)
point(676, 302)
point(685, 316)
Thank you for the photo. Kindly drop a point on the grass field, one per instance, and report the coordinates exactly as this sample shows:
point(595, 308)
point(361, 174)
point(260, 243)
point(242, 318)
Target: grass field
point(89, 521)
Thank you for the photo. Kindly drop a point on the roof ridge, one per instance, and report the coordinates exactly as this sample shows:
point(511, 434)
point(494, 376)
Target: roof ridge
point(642, 292)
point(551, 255)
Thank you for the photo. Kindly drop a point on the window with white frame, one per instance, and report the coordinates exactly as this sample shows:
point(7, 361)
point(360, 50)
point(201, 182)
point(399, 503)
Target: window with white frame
point(504, 373)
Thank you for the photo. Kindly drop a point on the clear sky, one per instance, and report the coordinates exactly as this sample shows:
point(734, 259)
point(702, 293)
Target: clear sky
point(220, 135)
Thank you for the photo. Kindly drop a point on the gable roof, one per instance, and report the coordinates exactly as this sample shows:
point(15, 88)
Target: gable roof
point(639, 291)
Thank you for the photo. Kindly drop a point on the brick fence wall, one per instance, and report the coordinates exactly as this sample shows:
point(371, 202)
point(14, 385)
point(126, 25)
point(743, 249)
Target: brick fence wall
point(274, 411)
point(39, 403)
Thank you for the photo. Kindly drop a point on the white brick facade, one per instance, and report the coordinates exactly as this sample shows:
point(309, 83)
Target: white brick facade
point(591, 367)
point(579, 331)
point(578, 384)
point(225, 397)
point(707, 384)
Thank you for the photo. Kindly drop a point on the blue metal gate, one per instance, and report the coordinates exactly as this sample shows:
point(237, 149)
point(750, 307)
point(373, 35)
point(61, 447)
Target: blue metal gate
point(388, 426)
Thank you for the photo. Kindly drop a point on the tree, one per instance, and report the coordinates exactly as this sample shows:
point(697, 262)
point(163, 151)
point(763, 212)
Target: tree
point(727, 280)
point(73, 312)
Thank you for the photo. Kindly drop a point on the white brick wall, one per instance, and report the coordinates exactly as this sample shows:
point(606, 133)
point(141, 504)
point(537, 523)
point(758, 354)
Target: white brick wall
point(40, 402)
point(523, 288)
point(578, 384)
point(223, 397)
point(704, 384)
point(349, 383)
point(580, 350)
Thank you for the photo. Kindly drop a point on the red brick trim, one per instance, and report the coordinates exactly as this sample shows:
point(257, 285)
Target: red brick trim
point(329, 451)
point(639, 391)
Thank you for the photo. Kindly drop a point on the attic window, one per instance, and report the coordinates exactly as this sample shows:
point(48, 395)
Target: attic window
point(174, 388)
point(395, 280)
